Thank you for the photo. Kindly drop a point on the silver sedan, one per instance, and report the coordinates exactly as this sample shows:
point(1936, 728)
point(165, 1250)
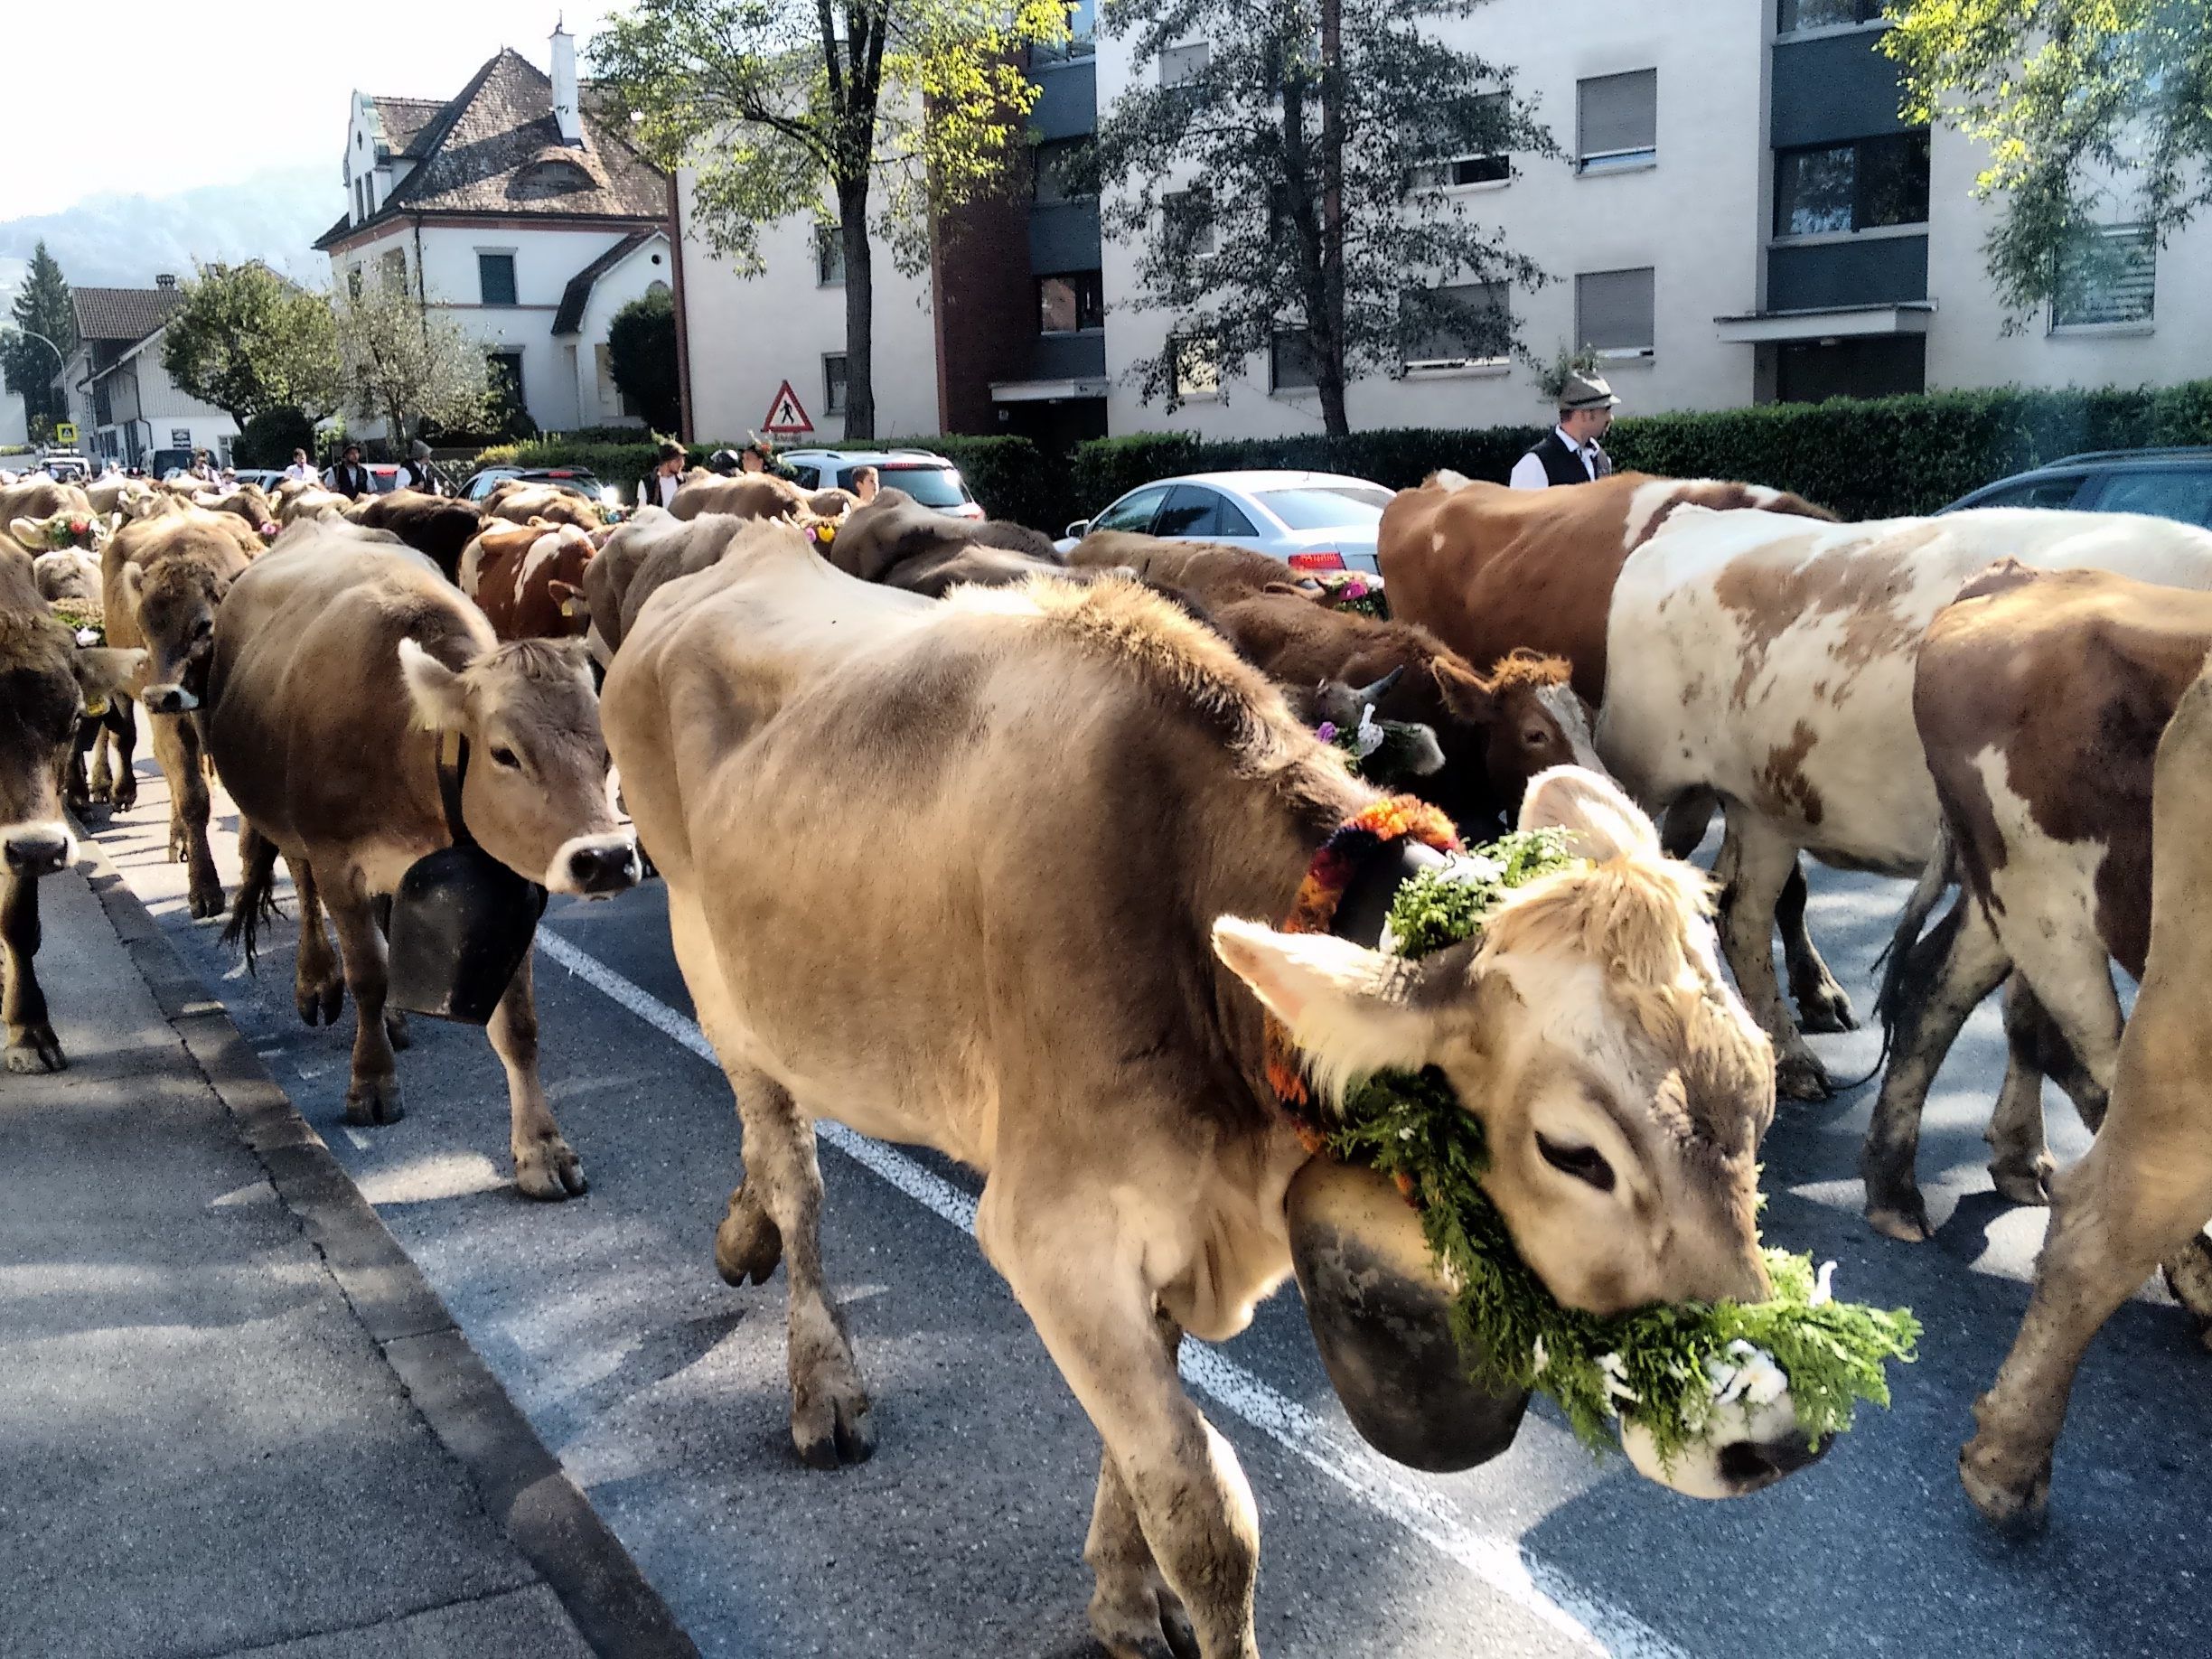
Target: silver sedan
point(1310, 520)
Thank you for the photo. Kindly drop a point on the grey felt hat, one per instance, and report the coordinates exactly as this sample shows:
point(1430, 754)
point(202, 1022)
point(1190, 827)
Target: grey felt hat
point(1587, 391)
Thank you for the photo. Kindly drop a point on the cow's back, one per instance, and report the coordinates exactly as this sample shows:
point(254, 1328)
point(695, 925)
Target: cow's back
point(1213, 573)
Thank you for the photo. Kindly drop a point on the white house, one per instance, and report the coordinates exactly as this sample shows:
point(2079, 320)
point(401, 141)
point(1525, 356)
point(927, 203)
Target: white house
point(122, 401)
point(514, 209)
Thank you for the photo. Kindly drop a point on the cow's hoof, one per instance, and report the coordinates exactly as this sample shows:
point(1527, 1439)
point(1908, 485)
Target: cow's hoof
point(373, 1100)
point(1895, 1209)
point(548, 1171)
point(1145, 1622)
point(319, 1004)
point(396, 1030)
point(1825, 1010)
point(1800, 1076)
point(36, 1050)
point(204, 903)
point(2024, 1184)
point(2016, 1507)
point(123, 799)
point(829, 1416)
point(747, 1244)
point(2190, 1277)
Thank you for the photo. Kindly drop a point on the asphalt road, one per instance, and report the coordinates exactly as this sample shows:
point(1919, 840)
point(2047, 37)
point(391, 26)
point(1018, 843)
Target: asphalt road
point(663, 1392)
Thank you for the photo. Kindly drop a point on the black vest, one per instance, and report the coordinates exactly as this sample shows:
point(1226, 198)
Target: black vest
point(1561, 465)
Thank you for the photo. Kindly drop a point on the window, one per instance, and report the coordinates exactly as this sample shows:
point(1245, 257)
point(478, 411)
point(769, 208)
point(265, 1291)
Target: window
point(1133, 512)
point(833, 383)
point(2110, 276)
point(1064, 170)
point(1854, 186)
point(1462, 170)
point(495, 276)
point(395, 268)
point(1195, 511)
point(1182, 65)
point(1066, 304)
point(1475, 327)
point(1796, 15)
point(2037, 492)
point(1328, 506)
point(611, 396)
point(506, 378)
point(932, 486)
point(1613, 311)
point(1197, 372)
point(2168, 493)
point(1082, 35)
point(1617, 121)
point(829, 256)
point(1190, 214)
point(1290, 361)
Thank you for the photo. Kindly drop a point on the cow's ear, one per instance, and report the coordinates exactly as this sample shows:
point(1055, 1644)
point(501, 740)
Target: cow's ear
point(1600, 821)
point(440, 701)
point(27, 533)
point(1353, 1011)
point(1465, 692)
point(133, 584)
point(101, 670)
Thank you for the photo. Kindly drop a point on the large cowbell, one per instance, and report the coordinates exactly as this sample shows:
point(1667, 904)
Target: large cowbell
point(462, 922)
point(1381, 1317)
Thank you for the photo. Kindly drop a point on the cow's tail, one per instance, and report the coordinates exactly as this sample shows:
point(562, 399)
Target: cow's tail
point(256, 895)
point(1906, 971)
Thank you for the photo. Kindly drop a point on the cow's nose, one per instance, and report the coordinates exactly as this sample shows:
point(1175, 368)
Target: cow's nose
point(170, 700)
point(600, 868)
point(1749, 1465)
point(37, 850)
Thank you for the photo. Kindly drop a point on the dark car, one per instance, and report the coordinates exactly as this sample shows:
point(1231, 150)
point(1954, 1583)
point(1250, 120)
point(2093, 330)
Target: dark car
point(573, 480)
point(2167, 483)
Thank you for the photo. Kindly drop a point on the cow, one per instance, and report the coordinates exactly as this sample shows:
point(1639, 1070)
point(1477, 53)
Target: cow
point(641, 556)
point(247, 502)
point(162, 579)
point(745, 495)
point(1213, 573)
point(1767, 661)
point(46, 680)
point(519, 500)
point(528, 579)
point(2040, 698)
point(436, 525)
point(302, 497)
point(69, 580)
point(900, 543)
point(2143, 1193)
point(118, 494)
point(336, 666)
point(1048, 974)
point(40, 501)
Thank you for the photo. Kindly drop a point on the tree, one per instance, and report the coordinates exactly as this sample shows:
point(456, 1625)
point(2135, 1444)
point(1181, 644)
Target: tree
point(403, 366)
point(2092, 110)
point(642, 354)
point(777, 102)
point(1323, 132)
point(248, 341)
point(31, 366)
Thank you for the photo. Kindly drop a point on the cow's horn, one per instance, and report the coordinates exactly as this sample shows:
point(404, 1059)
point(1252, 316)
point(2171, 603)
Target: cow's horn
point(1379, 690)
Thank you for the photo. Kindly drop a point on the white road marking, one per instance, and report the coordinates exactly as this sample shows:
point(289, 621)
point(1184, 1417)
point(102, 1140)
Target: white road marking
point(1498, 1562)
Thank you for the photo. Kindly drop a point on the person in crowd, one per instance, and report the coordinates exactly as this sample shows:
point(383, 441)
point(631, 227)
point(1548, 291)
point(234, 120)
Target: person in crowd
point(201, 470)
point(1568, 454)
point(866, 482)
point(756, 457)
point(349, 477)
point(421, 471)
point(658, 488)
point(300, 467)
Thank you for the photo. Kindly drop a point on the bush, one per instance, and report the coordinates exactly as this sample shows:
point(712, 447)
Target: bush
point(641, 354)
point(1865, 459)
point(268, 439)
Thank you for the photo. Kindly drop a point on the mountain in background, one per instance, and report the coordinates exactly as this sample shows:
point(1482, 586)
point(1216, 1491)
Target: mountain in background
point(123, 242)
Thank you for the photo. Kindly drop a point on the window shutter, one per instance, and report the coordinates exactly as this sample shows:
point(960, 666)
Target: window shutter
point(1617, 113)
point(1481, 337)
point(1613, 310)
point(1180, 65)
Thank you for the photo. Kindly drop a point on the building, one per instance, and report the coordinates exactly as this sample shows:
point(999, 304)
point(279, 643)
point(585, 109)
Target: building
point(517, 211)
point(1740, 217)
point(124, 403)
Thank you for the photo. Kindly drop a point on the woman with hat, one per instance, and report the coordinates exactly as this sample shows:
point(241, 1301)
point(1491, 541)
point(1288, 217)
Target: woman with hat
point(1568, 454)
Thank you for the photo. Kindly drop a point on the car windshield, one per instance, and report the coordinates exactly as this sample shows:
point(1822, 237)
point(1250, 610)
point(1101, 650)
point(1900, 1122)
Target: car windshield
point(933, 486)
point(1312, 507)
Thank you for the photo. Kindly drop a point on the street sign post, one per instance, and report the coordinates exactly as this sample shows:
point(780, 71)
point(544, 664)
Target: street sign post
point(787, 417)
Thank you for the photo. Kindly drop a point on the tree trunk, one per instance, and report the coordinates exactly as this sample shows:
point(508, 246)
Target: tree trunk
point(1329, 335)
point(859, 309)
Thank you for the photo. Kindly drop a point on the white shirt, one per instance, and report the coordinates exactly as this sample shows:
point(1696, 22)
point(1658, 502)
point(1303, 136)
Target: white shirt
point(300, 469)
point(665, 486)
point(1529, 473)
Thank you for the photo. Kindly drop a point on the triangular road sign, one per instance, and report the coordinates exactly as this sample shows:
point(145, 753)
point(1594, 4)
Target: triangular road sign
point(786, 416)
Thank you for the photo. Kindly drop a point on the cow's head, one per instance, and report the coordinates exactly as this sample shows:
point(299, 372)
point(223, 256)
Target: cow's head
point(174, 602)
point(46, 682)
point(1496, 733)
point(67, 529)
point(70, 574)
point(537, 794)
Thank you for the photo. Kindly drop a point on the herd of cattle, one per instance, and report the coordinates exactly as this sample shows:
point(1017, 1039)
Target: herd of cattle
point(963, 840)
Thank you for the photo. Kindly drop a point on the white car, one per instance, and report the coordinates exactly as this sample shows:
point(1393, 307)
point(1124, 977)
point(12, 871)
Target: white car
point(1310, 520)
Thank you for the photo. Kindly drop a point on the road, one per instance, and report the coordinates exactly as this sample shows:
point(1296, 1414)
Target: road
point(663, 1392)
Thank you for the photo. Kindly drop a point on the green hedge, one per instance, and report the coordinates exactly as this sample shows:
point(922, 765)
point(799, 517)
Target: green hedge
point(1865, 459)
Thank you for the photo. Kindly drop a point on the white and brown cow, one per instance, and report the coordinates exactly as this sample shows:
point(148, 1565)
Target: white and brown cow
point(1045, 973)
point(528, 579)
point(1768, 661)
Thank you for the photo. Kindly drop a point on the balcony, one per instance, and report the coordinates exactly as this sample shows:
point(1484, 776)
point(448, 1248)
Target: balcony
point(1879, 270)
point(1832, 88)
point(1063, 235)
point(1067, 99)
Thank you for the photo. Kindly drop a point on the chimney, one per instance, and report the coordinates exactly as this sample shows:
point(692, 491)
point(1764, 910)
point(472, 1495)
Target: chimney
point(165, 280)
point(565, 88)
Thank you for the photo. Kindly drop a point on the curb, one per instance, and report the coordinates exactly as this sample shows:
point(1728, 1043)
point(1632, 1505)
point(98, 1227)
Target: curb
point(519, 1483)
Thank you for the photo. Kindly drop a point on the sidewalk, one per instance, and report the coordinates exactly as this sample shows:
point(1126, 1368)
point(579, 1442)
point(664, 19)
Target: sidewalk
point(233, 1419)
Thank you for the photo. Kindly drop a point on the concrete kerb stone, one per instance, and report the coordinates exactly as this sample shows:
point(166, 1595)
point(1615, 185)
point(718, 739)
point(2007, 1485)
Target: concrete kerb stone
point(519, 1481)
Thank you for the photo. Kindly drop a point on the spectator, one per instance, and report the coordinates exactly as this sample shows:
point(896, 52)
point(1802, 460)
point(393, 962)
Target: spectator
point(658, 488)
point(300, 467)
point(350, 477)
point(421, 474)
point(866, 482)
point(201, 470)
point(756, 457)
point(1568, 454)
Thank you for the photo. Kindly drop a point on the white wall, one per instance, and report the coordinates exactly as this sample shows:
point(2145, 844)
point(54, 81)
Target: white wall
point(14, 426)
point(749, 334)
point(1694, 218)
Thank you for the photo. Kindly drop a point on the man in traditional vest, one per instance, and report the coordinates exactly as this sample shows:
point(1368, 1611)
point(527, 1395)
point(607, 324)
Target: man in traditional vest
point(1568, 454)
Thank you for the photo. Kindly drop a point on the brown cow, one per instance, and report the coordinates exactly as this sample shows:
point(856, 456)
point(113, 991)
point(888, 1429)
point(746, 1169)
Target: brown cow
point(46, 679)
point(520, 500)
point(40, 501)
point(641, 556)
point(2039, 697)
point(336, 667)
point(436, 525)
point(1213, 573)
point(747, 496)
point(2143, 1193)
point(247, 502)
point(900, 543)
point(162, 579)
point(528, 579)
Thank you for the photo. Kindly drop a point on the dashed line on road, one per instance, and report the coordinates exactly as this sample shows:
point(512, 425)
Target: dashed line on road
point(1498, 1562)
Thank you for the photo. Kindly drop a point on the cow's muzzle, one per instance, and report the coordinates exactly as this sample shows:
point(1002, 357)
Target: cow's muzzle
point(37, 850)
point(169, 699)
point(1746, 1448)
point(596, 866)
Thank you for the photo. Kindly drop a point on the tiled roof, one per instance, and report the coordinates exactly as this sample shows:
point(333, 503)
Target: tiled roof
point(405, 120)
point(123, 315)
point(496, 149)
point(569, 318)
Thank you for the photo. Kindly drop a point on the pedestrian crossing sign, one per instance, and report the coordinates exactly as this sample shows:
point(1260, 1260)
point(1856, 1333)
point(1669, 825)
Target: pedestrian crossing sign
point(786, 416)
point(65, 431)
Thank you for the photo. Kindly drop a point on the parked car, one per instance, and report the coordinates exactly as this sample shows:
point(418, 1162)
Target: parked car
point(65, 466)
point(572, 480)
point(930, 479)
point(264, 478)
point(1310, 520)
point(2168, 483)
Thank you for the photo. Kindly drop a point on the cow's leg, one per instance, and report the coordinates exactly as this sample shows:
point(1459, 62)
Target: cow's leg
point(76, 792)
point(395, 1019)
point(2138, 1197)
point(1133, 1608)
point(32, 1045)
point(545, 1165)
point(1821, 1003)
point(2020, 1162)
point(120, 729)
point(1754, 863)
point(318, 984)
point(372, 1096)
point(1942, 978)
point(176, 744)
point(1082, 1285)
point(1682, 826)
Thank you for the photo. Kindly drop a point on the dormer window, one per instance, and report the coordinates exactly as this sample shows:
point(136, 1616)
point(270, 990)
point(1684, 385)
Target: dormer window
point(555, 173)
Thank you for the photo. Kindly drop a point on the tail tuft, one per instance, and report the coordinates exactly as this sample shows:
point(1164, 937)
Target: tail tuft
point(256, 895)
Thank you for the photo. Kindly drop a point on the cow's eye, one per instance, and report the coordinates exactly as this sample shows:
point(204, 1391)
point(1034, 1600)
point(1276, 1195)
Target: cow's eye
point(505, 757)
point(203, 627)
point(1583, 1163)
